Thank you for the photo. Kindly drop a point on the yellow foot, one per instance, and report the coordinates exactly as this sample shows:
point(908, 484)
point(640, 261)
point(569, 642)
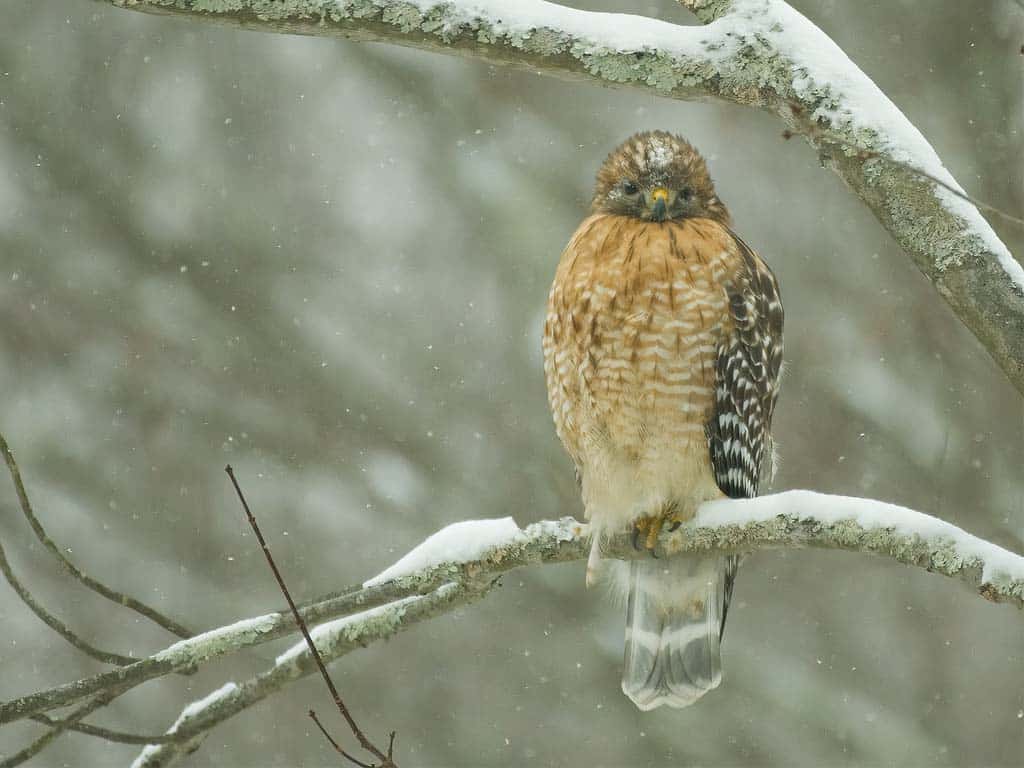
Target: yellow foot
point(648, 528)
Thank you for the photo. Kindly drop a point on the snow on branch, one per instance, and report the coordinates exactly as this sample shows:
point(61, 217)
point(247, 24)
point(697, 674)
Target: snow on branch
point(760, 53)
point(792, 519)
point(473, 554)
point(468, 557)
point(463, 561)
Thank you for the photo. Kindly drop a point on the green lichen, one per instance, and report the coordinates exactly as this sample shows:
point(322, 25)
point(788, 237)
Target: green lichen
point(406, 17)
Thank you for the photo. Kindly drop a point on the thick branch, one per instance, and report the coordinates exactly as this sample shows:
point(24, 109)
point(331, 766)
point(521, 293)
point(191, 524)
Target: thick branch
point(759, 53)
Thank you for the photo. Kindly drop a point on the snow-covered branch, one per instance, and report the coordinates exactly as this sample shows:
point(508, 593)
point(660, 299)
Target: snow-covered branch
point(759, 53)
point(462, 562)
point(469, 557)
point(332, 641)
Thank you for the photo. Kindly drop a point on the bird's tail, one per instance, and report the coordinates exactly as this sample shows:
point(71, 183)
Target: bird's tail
point(674, 621)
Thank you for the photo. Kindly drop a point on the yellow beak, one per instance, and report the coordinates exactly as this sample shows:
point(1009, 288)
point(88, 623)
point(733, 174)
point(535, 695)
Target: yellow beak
point(659, 202)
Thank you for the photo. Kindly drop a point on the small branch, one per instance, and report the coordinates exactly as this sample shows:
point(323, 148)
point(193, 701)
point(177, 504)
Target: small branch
point(822, 136)
point(364, 742)
point(96, 586)
point(191, 653)
point(333, 743)
point(332, 640)
point(58, 626)
point(62, 727)
point(119, 737)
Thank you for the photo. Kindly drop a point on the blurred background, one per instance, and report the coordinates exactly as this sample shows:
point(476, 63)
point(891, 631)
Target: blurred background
point(327, 262)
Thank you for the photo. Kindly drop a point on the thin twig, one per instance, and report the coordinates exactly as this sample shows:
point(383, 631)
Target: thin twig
point(58, 626)
point(189, 654)
point(830, 137)
point(959, 193)
point(336, 745)
point(356, 730)
point(119, 737)
point(338, 639)
point(63, 726)
point(98, 587)
point(868, 154)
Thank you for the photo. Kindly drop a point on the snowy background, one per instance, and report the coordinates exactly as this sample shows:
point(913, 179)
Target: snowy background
point(327, 264)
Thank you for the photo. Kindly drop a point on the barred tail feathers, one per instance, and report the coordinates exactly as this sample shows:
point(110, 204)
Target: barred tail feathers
point(674, 623)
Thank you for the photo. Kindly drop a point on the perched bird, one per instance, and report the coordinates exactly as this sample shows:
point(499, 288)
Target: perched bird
point(662, 354)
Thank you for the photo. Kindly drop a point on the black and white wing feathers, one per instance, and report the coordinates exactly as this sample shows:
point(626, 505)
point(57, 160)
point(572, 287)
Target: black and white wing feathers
point(749, 365)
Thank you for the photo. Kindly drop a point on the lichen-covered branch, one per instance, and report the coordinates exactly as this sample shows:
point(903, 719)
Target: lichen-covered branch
point(470, 556)
point(189, 654)
point(462, 562)
point(760, 53)
point(332, 641)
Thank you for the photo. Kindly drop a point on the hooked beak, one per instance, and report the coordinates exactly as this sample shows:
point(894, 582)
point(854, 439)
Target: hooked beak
point(658, 202)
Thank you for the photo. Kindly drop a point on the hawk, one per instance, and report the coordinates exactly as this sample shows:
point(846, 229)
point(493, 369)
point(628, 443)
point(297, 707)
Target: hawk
point(662, 355)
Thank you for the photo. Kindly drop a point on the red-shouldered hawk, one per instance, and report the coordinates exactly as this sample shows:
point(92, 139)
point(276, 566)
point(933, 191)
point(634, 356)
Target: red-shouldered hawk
point(662, 354)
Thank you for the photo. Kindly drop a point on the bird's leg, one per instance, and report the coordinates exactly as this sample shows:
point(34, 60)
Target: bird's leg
point(650, 527)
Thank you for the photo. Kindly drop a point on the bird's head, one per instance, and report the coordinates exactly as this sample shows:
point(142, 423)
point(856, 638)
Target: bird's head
point(656, 176)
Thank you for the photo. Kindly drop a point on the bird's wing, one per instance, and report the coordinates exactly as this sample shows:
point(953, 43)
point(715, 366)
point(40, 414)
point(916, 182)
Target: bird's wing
point(748, 368)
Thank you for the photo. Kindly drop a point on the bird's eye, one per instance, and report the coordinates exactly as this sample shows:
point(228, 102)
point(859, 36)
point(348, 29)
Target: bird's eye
point(686, 193)
point(630, 187)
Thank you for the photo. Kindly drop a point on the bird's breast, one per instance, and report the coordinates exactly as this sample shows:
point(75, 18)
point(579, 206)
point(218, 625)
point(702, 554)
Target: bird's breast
point(634, 320)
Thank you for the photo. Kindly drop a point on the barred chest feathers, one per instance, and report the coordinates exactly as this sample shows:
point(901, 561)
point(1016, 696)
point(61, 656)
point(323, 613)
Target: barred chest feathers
point(634, 324)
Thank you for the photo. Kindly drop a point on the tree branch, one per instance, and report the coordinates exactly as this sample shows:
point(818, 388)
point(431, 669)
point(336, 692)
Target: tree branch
point(188, 654)
point(792, 519)
point(332, 640)
point(118, 737)
point(475, 553)
point(759, 53)
point(70, 568)
point(61, 726)
point(58, 626)
point(343, 710)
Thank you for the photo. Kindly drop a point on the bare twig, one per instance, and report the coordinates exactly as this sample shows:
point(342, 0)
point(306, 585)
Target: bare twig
point(119, 737)
point(333, 641)
point(336, 745)
point(366, 744)
point(815, 132)
point(188, 654)
point(58, 626)
point(96, 586)
point(950, 188)
point(62, 726)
